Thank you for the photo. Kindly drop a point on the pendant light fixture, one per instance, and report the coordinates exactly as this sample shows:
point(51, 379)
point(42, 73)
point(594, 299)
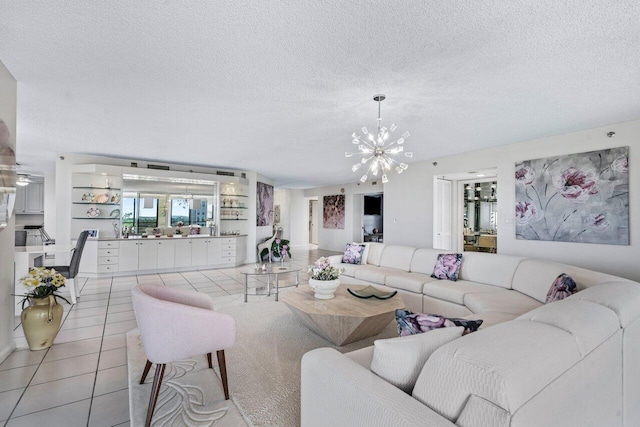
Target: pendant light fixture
point(377, 150)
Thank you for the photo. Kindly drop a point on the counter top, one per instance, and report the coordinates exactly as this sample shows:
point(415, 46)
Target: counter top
point(185, 236)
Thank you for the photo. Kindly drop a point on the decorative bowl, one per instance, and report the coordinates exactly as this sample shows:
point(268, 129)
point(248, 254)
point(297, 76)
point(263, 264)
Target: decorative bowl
point(93, 212)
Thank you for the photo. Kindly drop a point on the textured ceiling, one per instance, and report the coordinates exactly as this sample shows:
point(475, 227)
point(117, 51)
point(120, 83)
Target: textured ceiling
point(277, 87)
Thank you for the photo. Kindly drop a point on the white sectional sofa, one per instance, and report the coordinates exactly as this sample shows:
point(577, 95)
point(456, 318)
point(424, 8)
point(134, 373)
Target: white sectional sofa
point(568, 363)
point(491, 287)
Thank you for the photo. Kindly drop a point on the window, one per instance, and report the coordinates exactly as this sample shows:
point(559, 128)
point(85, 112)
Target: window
point(180, 211)
point(136, 215)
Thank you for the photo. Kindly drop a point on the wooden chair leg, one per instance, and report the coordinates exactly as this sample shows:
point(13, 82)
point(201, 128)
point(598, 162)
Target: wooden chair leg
point(155, 390)
point(145, 372)
point(223, 373)
point(209, 360)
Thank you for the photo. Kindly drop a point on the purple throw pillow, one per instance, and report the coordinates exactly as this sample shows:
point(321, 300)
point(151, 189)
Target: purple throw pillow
point(564, 286)
point(416, 323)
point(447, 266)
point(353, 253)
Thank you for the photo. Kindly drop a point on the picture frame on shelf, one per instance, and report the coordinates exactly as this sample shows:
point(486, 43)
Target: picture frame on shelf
point(92, 232)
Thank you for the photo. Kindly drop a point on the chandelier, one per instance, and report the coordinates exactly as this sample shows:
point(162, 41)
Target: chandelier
point(376, 150)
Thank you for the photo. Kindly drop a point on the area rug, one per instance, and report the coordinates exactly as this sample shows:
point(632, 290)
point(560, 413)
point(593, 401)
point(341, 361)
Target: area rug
point(263, 369)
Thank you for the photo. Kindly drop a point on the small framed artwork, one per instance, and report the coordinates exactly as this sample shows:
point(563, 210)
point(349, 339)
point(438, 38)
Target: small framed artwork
point(92, 232)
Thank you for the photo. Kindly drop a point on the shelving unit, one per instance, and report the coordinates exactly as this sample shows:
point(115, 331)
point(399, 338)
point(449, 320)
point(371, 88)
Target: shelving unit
point(234, 208)
point(100, 192)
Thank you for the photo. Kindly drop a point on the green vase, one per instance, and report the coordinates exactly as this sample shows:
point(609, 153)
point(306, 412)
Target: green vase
point(41, 321)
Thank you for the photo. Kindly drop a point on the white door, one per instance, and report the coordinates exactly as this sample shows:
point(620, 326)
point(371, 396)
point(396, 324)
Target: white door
point(182, 252)
point(214, 251)
point(313, 222)
point(442, 215)
point(198, 252)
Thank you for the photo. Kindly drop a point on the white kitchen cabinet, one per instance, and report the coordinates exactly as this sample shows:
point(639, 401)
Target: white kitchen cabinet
point(214, 251)
point(198, 252)
point(30, 198)
point(128, 259)
point(183, 252)
point(147, 255)
point(166, 254)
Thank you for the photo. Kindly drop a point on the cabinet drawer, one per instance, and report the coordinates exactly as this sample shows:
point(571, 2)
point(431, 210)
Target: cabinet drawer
point(108, 268)
point(107, 260)
point(228, 260)
point(108, 244)
point(228, 254)
point(226, 240)
point(108, 252)
point(228, 247)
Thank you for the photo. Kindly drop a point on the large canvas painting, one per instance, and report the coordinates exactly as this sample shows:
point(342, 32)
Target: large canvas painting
point(264, 202)
point(333, 212)
point(581, 198)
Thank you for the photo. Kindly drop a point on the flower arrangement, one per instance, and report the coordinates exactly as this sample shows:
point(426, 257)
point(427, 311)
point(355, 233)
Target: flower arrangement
point(178, 225)
point(42, 282)
point(323, 270)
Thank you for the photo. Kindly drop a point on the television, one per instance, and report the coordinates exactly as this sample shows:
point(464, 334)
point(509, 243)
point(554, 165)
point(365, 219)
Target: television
point(372, 205)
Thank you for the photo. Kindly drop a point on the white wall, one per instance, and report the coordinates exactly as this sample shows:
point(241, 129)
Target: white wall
point(8, 97)
point(408, 202)
point(50, 204)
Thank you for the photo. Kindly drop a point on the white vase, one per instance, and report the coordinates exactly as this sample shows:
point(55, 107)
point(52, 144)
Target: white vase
point(324, 289)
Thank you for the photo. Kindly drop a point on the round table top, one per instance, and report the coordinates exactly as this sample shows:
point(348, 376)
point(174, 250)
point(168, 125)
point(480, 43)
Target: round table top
point(274, 268)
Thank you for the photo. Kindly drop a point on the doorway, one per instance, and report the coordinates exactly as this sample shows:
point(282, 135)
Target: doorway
point(373, 217)
point(480, 215)
point(313, 222)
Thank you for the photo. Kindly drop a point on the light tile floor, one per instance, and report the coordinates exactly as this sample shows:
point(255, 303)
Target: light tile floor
point(82, 379)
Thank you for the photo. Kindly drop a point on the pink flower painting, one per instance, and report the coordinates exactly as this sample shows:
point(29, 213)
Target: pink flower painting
point(579, 198)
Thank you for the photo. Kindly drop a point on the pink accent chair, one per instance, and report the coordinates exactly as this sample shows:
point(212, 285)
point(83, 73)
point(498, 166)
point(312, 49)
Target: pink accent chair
point(176, 324)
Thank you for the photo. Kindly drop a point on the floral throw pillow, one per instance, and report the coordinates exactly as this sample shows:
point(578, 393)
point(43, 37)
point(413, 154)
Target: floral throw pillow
point(447, 266)
point(416, 323)
point(353, 253)
point(564, 286)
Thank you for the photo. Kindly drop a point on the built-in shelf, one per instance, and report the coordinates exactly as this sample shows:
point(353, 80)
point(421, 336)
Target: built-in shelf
point(95, 203)
point(112, 219)
point(228, 207)
point(233, 219)
point(233, 195)
point(97, 188)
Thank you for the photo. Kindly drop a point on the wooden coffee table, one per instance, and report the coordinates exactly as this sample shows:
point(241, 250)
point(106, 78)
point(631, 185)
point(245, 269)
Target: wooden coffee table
point(345, 318)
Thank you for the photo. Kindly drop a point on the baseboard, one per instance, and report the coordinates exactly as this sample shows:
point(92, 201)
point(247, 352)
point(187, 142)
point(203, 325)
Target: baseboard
point(6, 351)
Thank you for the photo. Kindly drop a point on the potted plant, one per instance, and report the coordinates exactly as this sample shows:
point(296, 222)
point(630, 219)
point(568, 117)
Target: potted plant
point(279, 249)
point(41, 319)
point(324, 278)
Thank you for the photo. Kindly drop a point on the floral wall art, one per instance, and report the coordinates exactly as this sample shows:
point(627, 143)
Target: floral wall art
point(581, 198)
point(333, 212)
point(264, 202)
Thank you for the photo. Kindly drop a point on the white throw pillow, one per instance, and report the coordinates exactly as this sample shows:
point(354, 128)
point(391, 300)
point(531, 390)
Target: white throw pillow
point(399, 361)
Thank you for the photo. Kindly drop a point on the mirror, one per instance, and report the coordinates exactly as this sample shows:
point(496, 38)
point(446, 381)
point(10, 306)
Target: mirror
point(480, 216)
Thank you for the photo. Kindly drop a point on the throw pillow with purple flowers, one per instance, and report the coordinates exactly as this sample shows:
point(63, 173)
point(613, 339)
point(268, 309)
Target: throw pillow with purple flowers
point(564, 286)
point(447, 267)
point(353, 253)
point(416, 323)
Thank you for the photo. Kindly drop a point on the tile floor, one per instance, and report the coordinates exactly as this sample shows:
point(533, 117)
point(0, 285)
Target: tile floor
point(82, 379)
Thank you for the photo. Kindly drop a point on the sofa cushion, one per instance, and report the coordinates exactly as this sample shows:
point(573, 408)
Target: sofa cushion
point(491, 318)
point(622, 297)
point(408, 281)
point(564, 286)
point(588, 322)
point(447, 266)
point(375, 253)
point(455, 291)
point(398, 257)
point(349, 269)
point(374, 274)
point(353, 253)
point(507, 301)
point(424, 259)
point(492, 269)
point(501, 364)
point(533, 277)
point(400, 360)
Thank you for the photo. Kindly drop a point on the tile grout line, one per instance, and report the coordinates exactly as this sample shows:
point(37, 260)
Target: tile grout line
point(95, 377)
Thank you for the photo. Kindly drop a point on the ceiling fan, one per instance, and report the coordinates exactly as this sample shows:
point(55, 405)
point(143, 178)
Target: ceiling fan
point(23, 180)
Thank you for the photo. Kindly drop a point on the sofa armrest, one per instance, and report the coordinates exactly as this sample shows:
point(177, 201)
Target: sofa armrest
point(337, 391)
point(335, 259)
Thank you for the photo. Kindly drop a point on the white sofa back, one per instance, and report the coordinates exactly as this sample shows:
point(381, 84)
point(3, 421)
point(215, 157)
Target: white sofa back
point(492, 269)
point(424, 259)
point(533, 277)
point(374, 253)
point(398, 257)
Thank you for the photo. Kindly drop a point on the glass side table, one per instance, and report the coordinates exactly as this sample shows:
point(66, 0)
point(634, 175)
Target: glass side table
point(273, 271)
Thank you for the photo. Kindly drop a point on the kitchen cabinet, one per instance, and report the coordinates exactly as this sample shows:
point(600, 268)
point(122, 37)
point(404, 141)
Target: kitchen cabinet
point(30, 199)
